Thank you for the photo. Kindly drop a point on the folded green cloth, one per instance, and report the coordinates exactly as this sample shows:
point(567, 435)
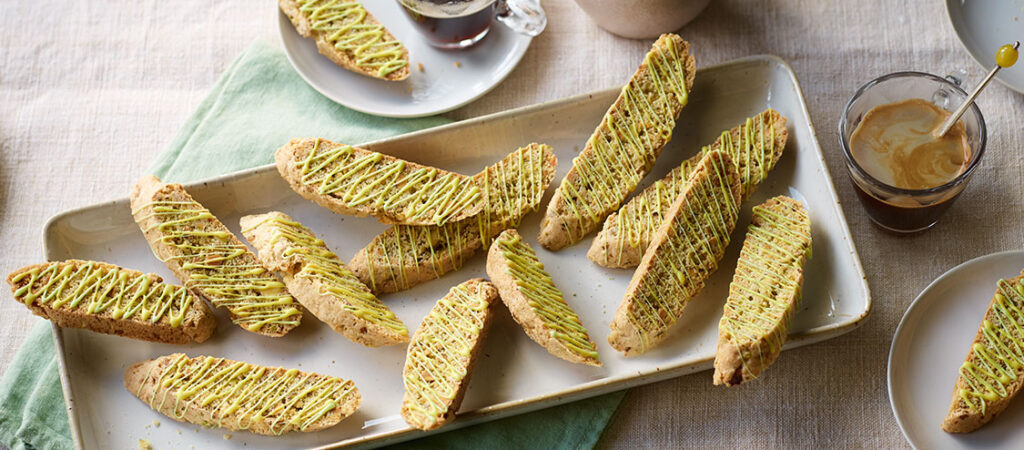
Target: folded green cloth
point(256, 106)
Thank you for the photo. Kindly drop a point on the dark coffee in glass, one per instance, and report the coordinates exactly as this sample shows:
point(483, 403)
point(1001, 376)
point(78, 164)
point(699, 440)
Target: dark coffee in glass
point(451, 23)
point(902, 217)
point(908, 192)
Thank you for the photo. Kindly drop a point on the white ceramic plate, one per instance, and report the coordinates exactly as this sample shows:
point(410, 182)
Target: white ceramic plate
point(515, 375)
point(985, 25)
point(450, 78)
point(930, 344)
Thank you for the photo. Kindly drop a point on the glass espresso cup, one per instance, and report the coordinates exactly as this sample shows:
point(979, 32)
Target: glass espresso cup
point(458, 24)
point(895, 209)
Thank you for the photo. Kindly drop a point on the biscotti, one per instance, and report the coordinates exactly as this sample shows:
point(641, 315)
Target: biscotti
point(764, 292)
point(318, 279)
point(350, 180)
point(535, 302)
point(404, 256)
point(993, 372)
point(218, 392)
point(755, 147)
point(108, 299)
point(442, 353)
point(624, 146)
point(684, 251)
point(349, 36)
point(209, 260)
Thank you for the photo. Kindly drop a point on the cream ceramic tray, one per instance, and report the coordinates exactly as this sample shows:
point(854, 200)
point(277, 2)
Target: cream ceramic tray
point(515, 375)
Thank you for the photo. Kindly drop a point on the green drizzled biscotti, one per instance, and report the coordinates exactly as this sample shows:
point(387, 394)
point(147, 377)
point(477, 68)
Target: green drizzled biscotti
point(755, 147)
point(993, 372)
point(218, 392)
point(404, 256)
point(684, 251)
point(535, 302)
point(624, 146)
point(353, 181)
point(764, 292)
point(108, 299)
point(318, 279)
point(349, 36)
point(209, 260)
point(442, 353)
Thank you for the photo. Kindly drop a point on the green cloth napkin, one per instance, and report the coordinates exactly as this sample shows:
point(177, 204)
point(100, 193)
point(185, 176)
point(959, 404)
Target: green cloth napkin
point(258, 104)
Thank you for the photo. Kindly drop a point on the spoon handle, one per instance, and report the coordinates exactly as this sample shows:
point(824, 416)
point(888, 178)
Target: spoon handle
point(1005, 57)
point(966, 103)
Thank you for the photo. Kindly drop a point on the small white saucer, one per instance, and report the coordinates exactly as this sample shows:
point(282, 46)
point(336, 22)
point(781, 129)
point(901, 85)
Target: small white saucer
point(450, 78)
point(931, 343)
point(985, 25)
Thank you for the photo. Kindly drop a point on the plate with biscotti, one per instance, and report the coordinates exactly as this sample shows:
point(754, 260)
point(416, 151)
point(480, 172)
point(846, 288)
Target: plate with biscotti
point(957, 358)
point(373, 293)
point(395, 72)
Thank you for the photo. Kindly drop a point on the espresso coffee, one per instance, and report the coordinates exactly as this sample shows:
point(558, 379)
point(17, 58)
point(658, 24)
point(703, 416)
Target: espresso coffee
point(895, 144)
point(903, 174)
point(451, 23)
point(903, 215)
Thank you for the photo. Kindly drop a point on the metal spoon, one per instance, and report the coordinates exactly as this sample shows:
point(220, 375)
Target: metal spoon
point(1005, 57)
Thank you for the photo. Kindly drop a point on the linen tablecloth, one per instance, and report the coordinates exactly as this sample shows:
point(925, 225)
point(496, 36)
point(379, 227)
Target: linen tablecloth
point(91, 91)
point(259, 102)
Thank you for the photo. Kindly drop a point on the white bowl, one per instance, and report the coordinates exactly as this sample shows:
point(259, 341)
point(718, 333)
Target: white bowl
point(642, 19)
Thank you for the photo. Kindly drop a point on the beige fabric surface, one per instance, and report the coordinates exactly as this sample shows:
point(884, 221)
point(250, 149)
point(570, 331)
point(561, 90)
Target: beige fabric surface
point(91, 91)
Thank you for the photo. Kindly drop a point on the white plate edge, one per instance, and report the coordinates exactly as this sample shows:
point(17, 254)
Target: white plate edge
point(903, 320)
point(958, 31)
point(282, 28)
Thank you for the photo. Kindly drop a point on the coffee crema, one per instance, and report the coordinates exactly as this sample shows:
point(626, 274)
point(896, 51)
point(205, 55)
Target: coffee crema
point(894, 143)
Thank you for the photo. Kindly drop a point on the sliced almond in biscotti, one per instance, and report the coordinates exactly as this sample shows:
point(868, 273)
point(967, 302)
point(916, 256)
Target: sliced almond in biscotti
point(442, 353)
point(535, 302)
point(755, 147)
point(624, 146)
point(209, 260)
point(684, 251)
point(318, 279)
point(350, 36)
point(353, 181)
point(993, 372)
point(109, 299)
point(218, 392)
point(404, 256)
point(764, 292)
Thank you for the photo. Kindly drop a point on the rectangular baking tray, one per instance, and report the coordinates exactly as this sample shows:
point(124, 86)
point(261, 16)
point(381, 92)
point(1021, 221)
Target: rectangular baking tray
point(514, 375)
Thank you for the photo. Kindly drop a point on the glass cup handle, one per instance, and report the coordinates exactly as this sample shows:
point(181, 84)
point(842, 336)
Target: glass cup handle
point(944, 97)
point(522, 16)
point(959, 78)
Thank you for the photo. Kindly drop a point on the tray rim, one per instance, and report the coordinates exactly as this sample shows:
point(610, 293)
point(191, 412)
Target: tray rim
point(578, 392)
